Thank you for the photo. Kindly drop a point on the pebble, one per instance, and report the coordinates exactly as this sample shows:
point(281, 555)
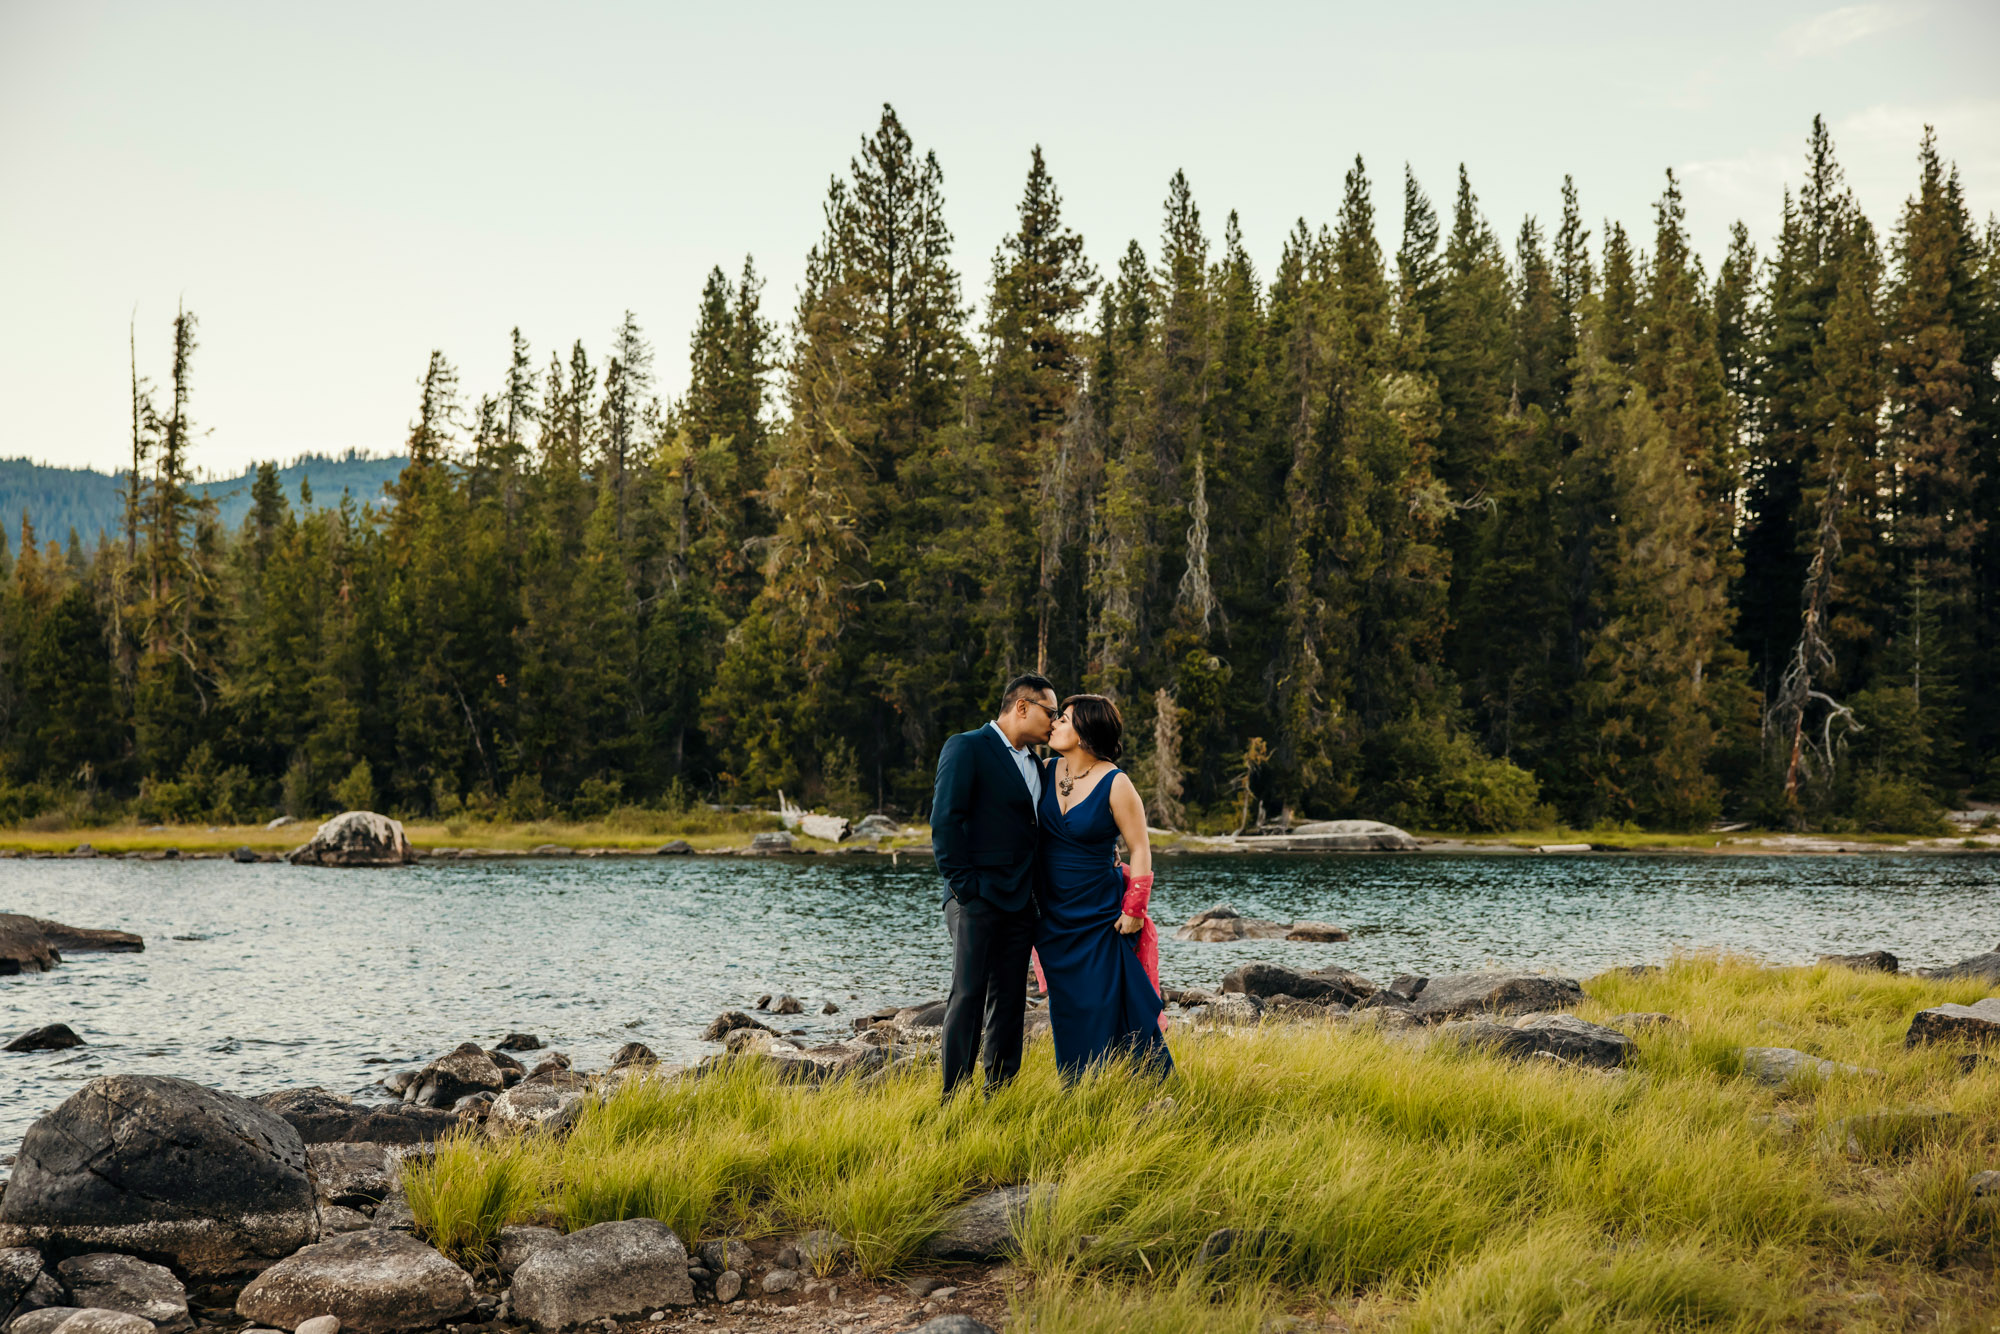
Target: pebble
point(321, 1324)
point(780, 1280)
point(728, 1285)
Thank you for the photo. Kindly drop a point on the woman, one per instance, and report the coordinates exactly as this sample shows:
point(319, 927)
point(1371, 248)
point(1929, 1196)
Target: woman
point(1099, 954)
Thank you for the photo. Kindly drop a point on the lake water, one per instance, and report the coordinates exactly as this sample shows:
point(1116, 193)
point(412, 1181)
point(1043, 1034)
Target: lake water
point(262, 976)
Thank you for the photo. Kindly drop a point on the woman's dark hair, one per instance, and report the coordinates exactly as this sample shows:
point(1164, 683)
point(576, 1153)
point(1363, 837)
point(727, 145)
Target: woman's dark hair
point(1098, 725)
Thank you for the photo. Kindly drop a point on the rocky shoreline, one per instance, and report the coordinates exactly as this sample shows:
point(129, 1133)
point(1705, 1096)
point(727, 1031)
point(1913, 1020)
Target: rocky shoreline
point(148, 1202)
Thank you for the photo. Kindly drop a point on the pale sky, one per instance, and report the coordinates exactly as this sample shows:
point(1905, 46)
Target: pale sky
point(337, 189)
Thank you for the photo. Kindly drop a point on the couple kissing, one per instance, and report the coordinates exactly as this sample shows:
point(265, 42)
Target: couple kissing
point(1028, 851)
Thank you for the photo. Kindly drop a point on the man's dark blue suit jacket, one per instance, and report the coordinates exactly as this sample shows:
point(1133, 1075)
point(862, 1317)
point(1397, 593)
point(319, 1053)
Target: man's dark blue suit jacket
point(983, 823)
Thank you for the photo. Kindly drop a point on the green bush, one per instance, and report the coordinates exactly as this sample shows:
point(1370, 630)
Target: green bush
point(356, 792)
point(1435, 777)
point(1887, 805)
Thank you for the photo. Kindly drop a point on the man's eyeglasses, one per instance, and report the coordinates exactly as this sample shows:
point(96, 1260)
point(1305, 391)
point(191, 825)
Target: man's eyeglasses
point(1053, 713)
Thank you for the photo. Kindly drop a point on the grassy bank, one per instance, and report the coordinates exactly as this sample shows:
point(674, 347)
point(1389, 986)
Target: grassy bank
point(1394, 1187)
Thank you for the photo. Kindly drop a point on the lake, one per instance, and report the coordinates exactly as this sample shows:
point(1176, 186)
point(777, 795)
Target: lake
point(261, 976)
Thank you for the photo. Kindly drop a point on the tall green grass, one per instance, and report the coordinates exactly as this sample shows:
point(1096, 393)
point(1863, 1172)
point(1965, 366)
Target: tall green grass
point(1450, 1190)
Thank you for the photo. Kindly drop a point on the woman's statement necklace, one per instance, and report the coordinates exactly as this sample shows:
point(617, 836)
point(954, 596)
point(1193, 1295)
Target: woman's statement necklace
point(1066, 785)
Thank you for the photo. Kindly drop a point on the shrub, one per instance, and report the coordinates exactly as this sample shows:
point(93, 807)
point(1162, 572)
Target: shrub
point(1439, 778)
point(356, 792)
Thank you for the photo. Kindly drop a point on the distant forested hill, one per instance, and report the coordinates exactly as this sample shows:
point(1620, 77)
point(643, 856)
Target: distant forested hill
point(58, 499)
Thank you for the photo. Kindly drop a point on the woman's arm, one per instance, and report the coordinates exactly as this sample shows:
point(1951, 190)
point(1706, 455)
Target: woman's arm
point(1130, 814)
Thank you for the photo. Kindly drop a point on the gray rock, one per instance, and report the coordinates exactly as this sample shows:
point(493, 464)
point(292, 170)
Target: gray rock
point(1320, 932)
point(43, 1290)
point(394, 1214)
point(1978, 1022)
point(80, 1320)
point(1407, 986)
point(678, 847)
point(20, 1266)
point(1224, 923)
point(335, 1219)
point(120, 1283)
point(1643, 1019)
point(1778, 1066)
point(23, 948)
point(49, 1037)
point(879, 826)
point(771, 841)
point(829, 1008)
point(356, 838)
point(819, 1249)
point(516, 1244)
point(1874, 961)
point(243, 856)
point(1980, 967)
point(633, 1053)
point(281, 821)
point(78, 939)
point(988, 1227)
point(1320, 984)
point(1229, 1010)
point(165, 1169)
point(463, 1071)
point(610, 1270)
point(548, 1105)
point(955, 1323)
point(728, 1286)
point(353, 1173)
point(1562, 1036)
point(472, 1106)
point(725, 1253)
point(788, 1005)
point(728, 1022)
point(1888, 1133)
point(376, 1282)
point(520, 1042)
point(320, 1324)
point(1459, 995)
point(1984, 1185)
point(321, 1117)
point(780, 1280)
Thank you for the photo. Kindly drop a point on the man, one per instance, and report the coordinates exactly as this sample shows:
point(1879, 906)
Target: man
point(983, 826)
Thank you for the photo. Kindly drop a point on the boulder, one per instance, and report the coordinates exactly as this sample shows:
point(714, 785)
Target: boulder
point(376, 1282)
point(1778, 1066)
point(464, 1070)
point(957, 1322)
point(549, 1104)
point(988, 1227)
point(23, 947)
point(788, 1005)
point(633, 1053)
point(878, 826)
point(356, 838)
point(1874, 961)
point(1459, 995)
point(611, 1270)
point(335, 1219)
point(80, 1320)
point(165, 1169)
point(49, 1037)
point(114, 1282)
point(354, 1174)
point(1977, 1022)
point(1224, 923)
point(831, 828)
point(20, 1266)
point(678, 847)
point(1317, 932)
point(519, 1042)
point(321, 1117)
point(80, 939)
point(1233, 1009)
point(1321, 984)
point(279, 822)
point(1980, 967)
point(773, 840)
point(516, 1244)
point(1563, 1036)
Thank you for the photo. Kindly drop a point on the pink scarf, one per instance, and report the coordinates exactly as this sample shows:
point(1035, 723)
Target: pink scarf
point(1138, 894)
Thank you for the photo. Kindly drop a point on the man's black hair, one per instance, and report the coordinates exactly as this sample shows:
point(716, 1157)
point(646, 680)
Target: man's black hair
point(1029, 684)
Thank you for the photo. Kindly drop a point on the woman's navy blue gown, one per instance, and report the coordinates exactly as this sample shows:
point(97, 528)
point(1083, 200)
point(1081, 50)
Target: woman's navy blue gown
point(1101, 1003)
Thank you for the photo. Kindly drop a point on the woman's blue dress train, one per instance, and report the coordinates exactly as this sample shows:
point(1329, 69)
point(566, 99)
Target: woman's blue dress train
point(1101, 1003)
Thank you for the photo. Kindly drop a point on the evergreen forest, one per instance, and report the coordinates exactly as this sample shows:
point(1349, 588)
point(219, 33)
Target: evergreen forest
point(1498, 529)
